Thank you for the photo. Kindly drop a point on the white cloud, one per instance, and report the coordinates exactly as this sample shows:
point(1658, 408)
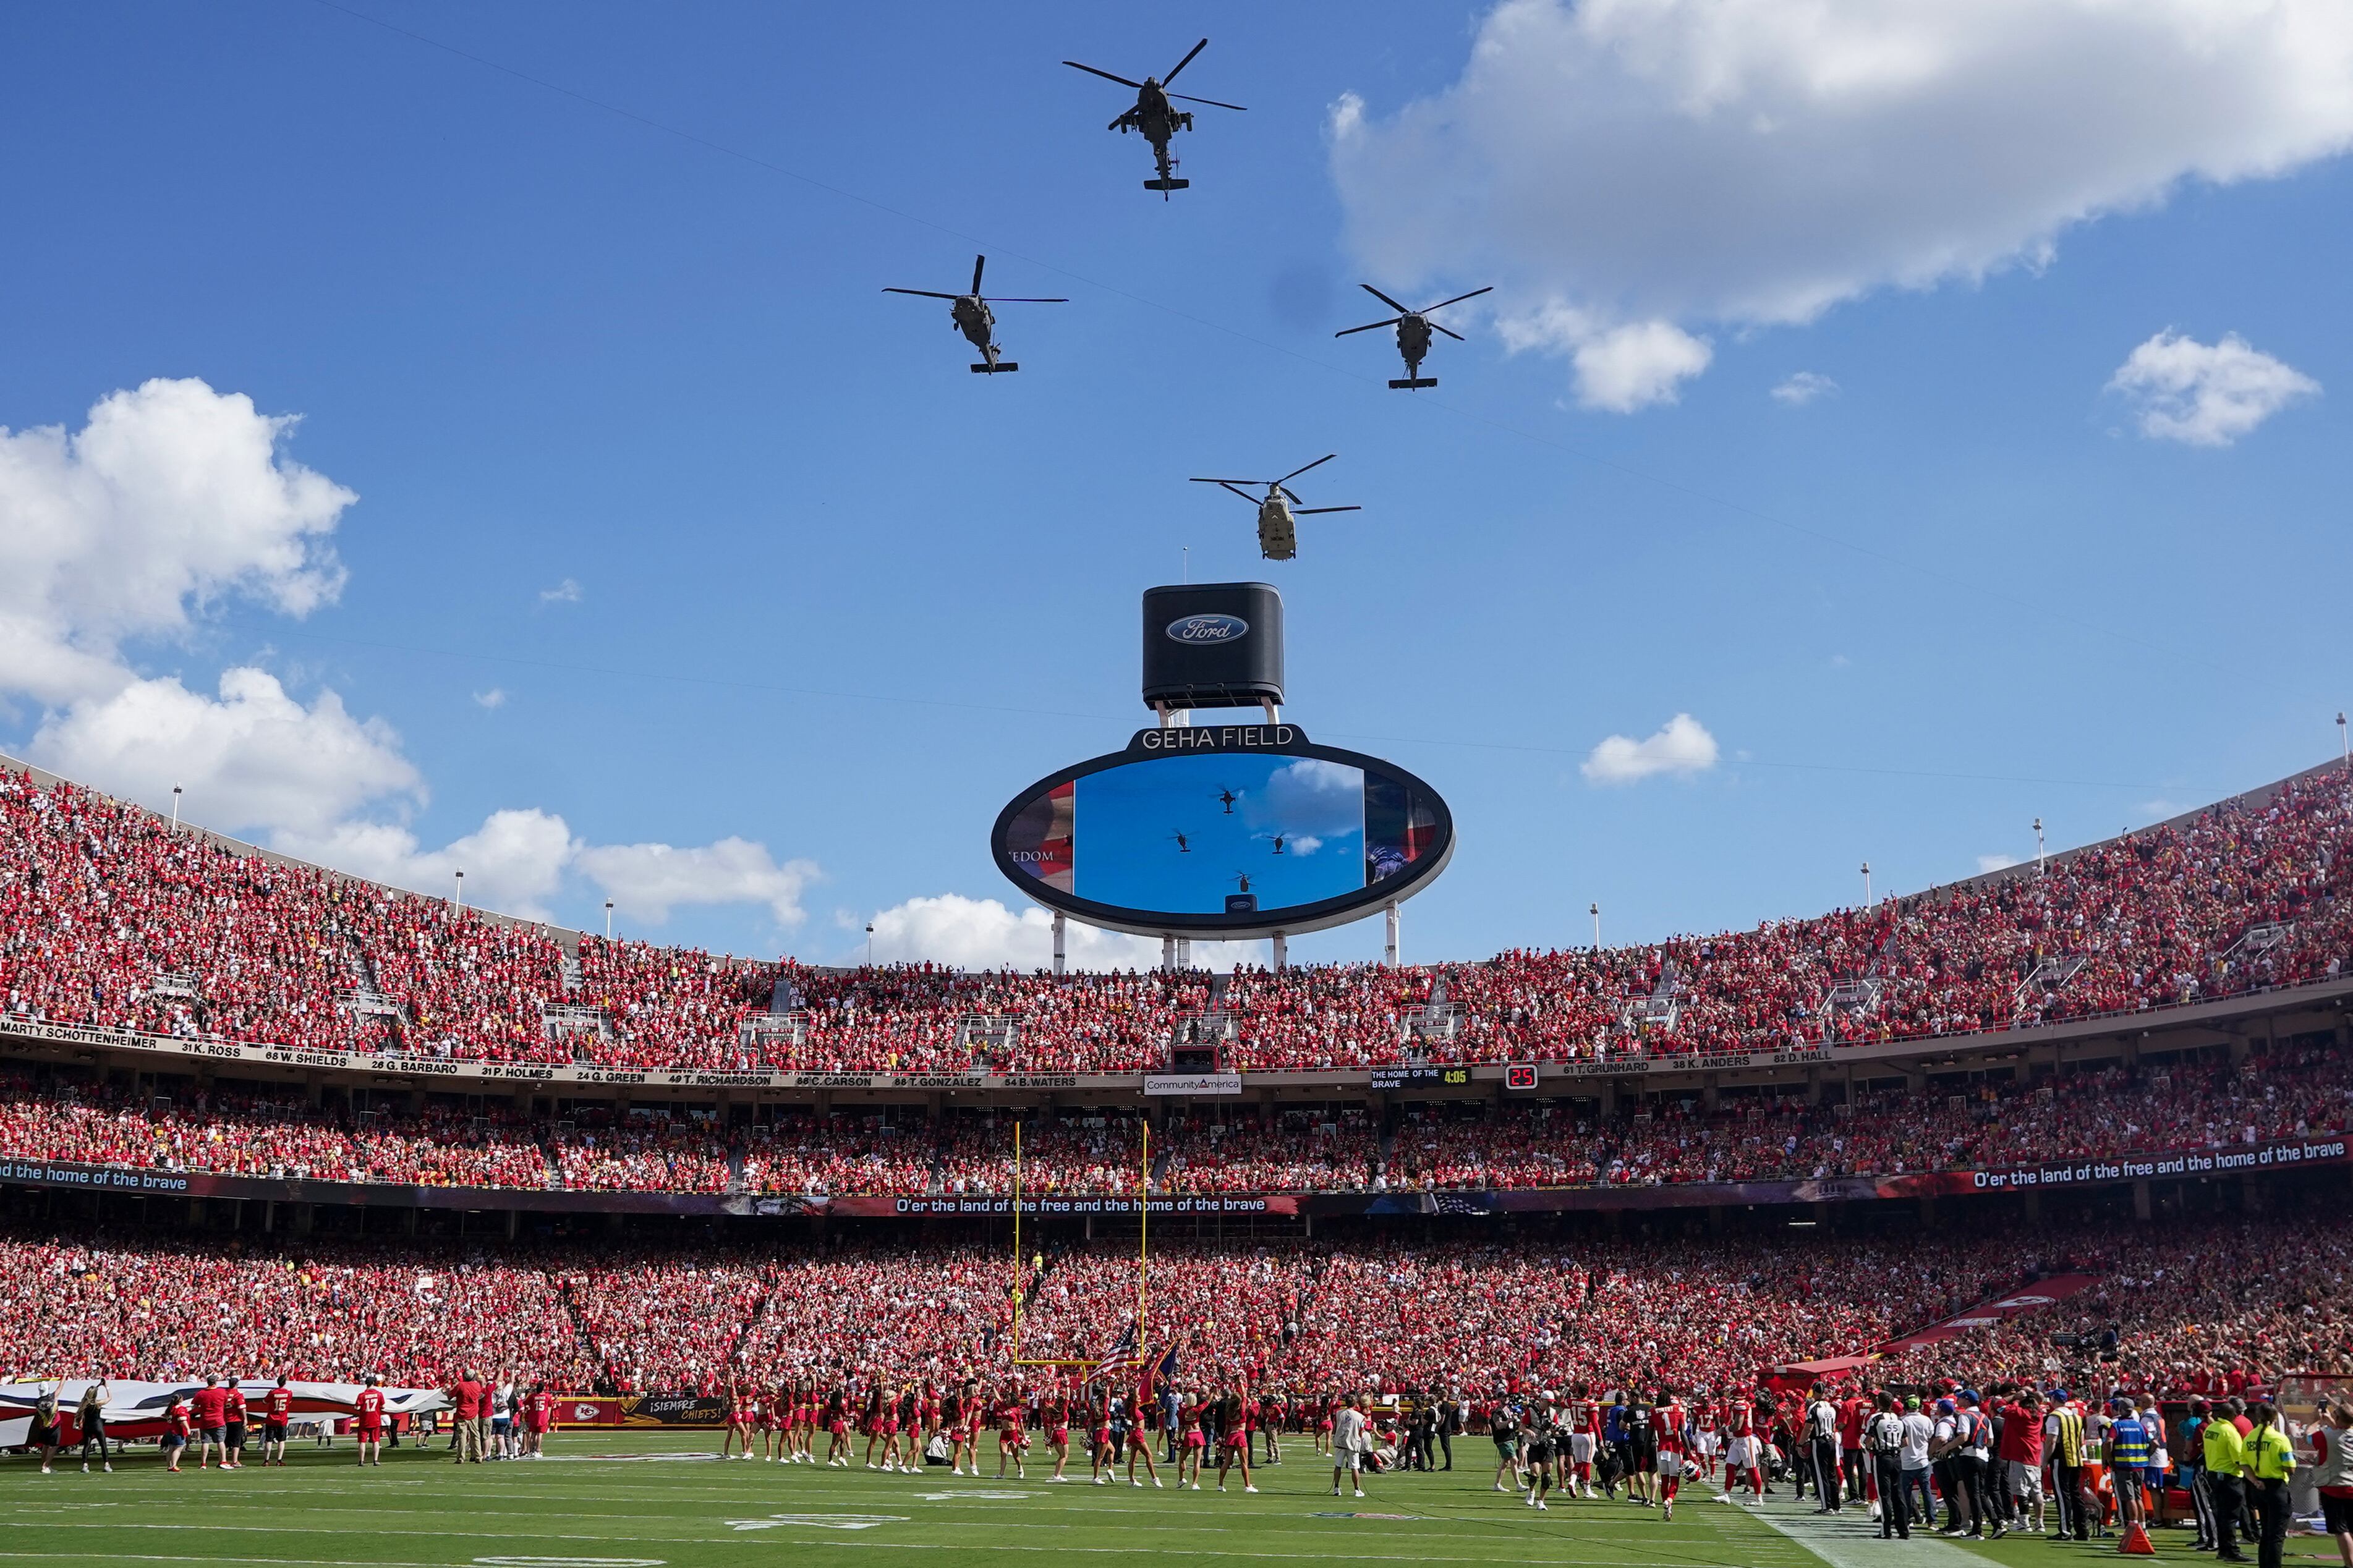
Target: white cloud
point(1620, 162)
point(1995, 863)
point(983, 933)
point(2206, 394)
point(174, 497)
point(1803, 388)
point(514, 863)
point(648, 880)
point(167, 500)
point(1681, 746)
point(564, 592)
point(1634, 366)
point(254, 758)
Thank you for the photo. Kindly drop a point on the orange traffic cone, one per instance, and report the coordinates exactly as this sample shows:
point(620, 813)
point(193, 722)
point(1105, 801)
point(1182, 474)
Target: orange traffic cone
point(2136, 1542)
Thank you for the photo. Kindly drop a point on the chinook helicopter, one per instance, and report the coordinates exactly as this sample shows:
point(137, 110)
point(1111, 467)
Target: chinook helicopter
point(973, 318)
point(1277, 539)
point(1154, 117)
point(1413, 330)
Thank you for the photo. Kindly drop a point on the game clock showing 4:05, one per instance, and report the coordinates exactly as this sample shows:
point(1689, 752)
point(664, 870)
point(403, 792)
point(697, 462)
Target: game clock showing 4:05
point(1415, 1078)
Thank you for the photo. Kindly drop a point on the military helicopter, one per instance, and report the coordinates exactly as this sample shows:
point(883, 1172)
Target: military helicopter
point(973, 318)
point(1183, 847)
point(1413, 330)
point(1277, 539)
point(1227, 797)
point(1153, 116)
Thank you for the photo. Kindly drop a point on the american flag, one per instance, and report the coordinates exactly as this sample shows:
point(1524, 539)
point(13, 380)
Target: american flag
point(1124, 1357)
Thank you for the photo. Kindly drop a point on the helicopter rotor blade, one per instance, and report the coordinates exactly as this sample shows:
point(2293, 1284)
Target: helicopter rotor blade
point(1107, 75)
point(1449, 331)
point(1384, 300)
point(926, 293)
point(1233, 486)
point(1187, 60)
point(1316, 463)
point(1230, 481)
point(978, 263)
point(1212, 102)
point(1474, 293)
point(1019, 299)
point(1316, 511)
point(1368, 326)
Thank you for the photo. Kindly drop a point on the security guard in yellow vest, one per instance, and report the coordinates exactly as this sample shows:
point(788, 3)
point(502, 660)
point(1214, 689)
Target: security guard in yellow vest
point(2226, 1485)
point(2270, 1461)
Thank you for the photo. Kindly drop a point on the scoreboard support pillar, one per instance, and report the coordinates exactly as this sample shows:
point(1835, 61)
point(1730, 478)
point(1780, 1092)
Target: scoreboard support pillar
point(1059, 948)
point(1282, 952)
point(1389, 948)
point(1169, 954)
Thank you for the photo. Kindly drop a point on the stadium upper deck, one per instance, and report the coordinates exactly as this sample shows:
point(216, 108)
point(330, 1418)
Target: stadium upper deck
point(112, 918)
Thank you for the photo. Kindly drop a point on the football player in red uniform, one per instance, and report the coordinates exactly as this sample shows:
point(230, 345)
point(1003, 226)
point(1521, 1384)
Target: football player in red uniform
point(277, 1409)
point(370, 1426)
point(1670, 1427)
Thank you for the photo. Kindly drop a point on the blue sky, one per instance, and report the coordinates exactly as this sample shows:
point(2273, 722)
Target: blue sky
point(666, 523)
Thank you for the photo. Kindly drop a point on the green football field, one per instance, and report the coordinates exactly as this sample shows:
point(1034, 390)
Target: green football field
point(629, 1500)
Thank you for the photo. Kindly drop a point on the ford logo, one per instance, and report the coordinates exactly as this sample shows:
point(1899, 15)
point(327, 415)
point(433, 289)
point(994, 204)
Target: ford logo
point(1207, 629)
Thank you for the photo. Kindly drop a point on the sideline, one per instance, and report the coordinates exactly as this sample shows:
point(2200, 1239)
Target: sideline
point(1850, 1539)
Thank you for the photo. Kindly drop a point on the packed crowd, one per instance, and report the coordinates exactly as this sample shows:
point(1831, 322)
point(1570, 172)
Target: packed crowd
point(2088, 1113)
point(2191, 1101)
point(110, 915)
point(2172, 1308)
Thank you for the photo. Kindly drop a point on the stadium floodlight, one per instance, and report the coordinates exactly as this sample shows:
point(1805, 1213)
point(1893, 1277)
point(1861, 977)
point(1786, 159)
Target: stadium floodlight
point(1595, 910)
point(175, 793)
point(2341, 740)
point(2038, 846)
point(1866, 884)
point(608, 920)
point(461, 889)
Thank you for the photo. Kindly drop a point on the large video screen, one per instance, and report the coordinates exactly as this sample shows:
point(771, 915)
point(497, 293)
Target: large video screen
point(1228, 833)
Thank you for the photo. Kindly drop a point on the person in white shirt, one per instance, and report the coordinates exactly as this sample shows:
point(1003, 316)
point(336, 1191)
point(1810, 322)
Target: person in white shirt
point(1918, 1432)
point(1349, 1440)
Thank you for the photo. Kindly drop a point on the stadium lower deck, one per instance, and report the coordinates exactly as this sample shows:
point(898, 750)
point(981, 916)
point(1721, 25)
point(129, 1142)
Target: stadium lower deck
point(663, 1500)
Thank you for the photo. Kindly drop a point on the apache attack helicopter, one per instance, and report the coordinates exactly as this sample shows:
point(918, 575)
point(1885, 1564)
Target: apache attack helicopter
point(1413, 330)
point(1277, 539)
point(973, 319)
point(1154, 117)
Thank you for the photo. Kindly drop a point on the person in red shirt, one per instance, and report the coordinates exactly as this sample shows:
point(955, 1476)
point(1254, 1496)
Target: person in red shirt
point(539, 1415)
point(370, 1426)
point(210, 1405)
point(1667, 1425)
point(1012, 1438)
point(233, 1408)
point(1236, 1417)
point(178, 1422)
point(276, 1407)
point(1056, 1414)
point(472, 1400)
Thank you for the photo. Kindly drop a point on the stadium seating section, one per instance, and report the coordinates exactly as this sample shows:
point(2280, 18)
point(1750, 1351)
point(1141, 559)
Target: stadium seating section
point(1379, 1314)
point(109, 916)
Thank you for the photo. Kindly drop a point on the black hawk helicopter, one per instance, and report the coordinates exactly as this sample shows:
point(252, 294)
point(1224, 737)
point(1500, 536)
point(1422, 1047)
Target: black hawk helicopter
point(1277, 539)
point(1154, 117)
point(1413, 330)
point(973, 318)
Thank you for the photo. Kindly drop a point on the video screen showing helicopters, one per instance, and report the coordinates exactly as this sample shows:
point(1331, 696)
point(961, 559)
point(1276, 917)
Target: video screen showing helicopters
point(1157, 118)
point(1278, 536)
point(976, 321)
